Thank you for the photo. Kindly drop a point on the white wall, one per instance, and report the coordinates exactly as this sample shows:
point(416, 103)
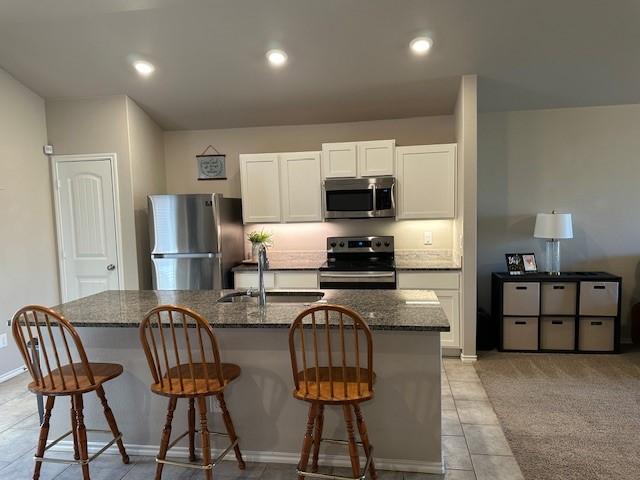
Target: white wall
point(28, 265)
point(465, 228)
point(181, 147)
point(584, 161)
point(115, 124)
point(99, 125)
point(146, 147)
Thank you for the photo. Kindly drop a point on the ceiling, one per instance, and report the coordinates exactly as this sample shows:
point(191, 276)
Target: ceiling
point(348, 59)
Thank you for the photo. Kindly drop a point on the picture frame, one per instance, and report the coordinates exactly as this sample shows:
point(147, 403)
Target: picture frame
point(529, 261)
point(515, 264)
point(212, 167)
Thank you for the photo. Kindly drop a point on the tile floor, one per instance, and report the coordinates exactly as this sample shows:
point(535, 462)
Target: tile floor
point(474, 445)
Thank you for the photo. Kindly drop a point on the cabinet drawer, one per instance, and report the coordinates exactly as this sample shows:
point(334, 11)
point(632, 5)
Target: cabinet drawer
point(559, 298)
point(520, 333)
point(596, 334)
point(250, 279)
point(599, 298)
point(429, 280)
point(557, 333)
point(521, 298)
point(296, 279)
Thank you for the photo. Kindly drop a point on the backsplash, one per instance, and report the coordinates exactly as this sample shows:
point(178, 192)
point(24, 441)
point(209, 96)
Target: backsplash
point(309, 237)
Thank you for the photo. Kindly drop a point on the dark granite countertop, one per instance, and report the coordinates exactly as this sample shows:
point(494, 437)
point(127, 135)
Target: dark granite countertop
point(381, 309)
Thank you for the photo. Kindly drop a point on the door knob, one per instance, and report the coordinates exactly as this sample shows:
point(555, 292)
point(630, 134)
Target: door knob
point(111, 267)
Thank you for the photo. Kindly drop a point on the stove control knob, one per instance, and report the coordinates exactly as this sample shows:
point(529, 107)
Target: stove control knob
point(386, 244)
point(333, 244)
point(378, 243)
point(342, 244)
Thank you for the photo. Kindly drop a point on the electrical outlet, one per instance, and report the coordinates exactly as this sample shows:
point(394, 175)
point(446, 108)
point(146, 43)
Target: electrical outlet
point(428, 238)
point(3, 340)
point(214, 407)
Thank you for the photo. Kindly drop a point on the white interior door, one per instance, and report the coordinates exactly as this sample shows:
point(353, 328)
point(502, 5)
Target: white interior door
point(86, 223)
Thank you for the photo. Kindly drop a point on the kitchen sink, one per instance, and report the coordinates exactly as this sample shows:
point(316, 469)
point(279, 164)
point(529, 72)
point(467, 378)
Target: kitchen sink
point(280, 296)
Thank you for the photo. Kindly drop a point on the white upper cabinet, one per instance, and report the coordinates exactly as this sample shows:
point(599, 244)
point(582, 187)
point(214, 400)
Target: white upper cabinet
point(358, 159)
point(260, 183)
point(339, 159)
point(426, 181)
point(375, 159)
point(300, 186)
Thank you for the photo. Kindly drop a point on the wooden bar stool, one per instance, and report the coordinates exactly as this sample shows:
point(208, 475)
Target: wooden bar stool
point(332, 342)
point(195, 377)
point(41, 325)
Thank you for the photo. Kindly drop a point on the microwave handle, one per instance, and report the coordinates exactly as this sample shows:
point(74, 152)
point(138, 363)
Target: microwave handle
point(375, 204)
point(393, 195)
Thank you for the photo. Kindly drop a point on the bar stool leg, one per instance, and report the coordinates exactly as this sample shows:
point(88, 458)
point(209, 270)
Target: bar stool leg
point(82, 435)
point(231, 431)
point(44, 434)
point(308, 439)
point(204, 431)
point(353, 448)
point(166, 436)
point(317, 437)
point(74, 431)
point(111, 420)
point(192, 430)
point(364, 436)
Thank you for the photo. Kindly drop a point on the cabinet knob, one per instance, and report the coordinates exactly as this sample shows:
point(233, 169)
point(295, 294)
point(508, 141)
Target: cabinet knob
point(111, 267)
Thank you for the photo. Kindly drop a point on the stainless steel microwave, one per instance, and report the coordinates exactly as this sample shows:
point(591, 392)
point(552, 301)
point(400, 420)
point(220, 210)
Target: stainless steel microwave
point(359, 197)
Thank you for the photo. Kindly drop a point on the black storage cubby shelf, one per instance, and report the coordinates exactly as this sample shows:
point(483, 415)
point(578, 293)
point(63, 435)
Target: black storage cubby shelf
point(574, 312)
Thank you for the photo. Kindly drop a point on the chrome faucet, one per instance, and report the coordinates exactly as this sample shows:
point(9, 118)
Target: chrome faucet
point(263, 264)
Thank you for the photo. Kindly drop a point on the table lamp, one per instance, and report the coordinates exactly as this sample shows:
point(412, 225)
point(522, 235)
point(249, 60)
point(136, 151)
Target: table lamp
point(553, 227)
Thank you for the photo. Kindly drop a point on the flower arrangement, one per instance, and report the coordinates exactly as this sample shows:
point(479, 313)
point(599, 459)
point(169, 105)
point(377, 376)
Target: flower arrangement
point(258, 238)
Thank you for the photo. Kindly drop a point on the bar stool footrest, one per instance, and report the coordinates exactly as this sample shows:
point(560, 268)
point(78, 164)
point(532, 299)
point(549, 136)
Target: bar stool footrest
point(77, 462)
point(327, 476)
point(211, 465)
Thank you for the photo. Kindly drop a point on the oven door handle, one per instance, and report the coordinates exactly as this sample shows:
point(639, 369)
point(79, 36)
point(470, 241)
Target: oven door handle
point(358, 275)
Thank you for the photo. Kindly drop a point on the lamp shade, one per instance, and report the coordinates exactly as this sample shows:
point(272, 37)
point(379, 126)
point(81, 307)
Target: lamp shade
point(553, 225)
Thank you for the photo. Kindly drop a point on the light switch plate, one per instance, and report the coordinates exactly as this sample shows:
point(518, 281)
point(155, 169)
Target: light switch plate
point(47, 149)
point(428, 238)
point(3, 340)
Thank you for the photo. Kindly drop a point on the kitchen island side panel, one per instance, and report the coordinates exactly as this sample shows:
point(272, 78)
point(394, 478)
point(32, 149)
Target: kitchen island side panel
point(403, 419)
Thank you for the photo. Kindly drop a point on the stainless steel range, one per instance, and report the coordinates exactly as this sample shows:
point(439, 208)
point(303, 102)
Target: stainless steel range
point(359, 262)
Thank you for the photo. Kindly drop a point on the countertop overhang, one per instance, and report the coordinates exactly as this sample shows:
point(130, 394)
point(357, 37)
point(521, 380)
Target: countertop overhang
point(398, 310)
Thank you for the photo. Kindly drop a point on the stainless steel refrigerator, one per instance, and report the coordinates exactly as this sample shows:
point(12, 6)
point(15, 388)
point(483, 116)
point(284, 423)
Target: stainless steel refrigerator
point(195, 240)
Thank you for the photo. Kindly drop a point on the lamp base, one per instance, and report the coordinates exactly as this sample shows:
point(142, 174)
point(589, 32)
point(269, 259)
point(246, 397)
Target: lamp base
point(553, 256)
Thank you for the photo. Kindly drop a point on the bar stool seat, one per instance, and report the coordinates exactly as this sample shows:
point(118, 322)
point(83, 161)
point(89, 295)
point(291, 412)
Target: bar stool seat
point(102, 372)
point(205, 382)
point(327, 378)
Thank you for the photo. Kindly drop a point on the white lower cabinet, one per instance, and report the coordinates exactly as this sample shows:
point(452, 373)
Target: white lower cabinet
point(278, 279)
point(446, 285)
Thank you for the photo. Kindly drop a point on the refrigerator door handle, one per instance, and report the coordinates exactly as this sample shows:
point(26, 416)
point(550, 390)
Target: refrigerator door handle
point(185, 255)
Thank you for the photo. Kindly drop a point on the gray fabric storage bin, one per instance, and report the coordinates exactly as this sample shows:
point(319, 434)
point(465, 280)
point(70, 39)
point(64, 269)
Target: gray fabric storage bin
point(521, 298)
point(557, 333)
point(559, 298)
point(520, 333)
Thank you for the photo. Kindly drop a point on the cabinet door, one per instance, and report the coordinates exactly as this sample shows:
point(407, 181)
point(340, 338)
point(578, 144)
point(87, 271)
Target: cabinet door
point(260, 184)
point(296, 280)
point(339, 160)
point(426, 181)
point(450, 303)
point(376, 158)
point(250, 279)
point(300, 183)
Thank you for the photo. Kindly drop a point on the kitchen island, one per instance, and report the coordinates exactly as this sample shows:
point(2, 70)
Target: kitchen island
point(404, 418)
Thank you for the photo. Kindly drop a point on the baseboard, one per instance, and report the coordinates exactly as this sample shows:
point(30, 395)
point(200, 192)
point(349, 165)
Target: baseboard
point(12, 373)
point(468, 358)
point(264, 457)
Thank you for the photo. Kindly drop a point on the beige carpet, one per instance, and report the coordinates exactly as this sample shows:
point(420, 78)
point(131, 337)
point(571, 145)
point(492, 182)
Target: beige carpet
point(568, 416)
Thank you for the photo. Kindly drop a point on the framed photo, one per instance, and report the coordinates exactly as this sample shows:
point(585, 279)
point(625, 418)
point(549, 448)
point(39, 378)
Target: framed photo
point(212, 167)
point(529, 260)
point(515, 264)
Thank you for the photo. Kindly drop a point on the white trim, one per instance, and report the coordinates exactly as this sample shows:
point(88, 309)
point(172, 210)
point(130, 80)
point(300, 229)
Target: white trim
point(113, 159)
point(266, 457)
point(468, 358)
point(12, 373)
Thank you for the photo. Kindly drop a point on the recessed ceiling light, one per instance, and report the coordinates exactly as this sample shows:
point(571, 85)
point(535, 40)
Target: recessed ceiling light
point(421, 45)
point(277, 58)
point(144, 68)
